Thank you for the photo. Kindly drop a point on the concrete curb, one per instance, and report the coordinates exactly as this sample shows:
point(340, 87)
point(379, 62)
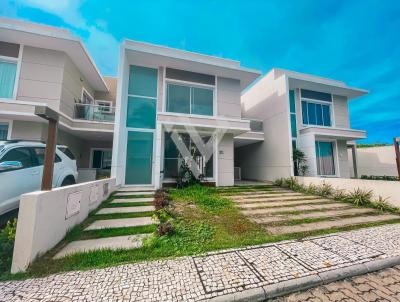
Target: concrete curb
point(304, 283)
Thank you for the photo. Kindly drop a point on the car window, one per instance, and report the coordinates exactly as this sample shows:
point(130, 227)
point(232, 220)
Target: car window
point(39, 153)
point(22, 155)
point(67, 152)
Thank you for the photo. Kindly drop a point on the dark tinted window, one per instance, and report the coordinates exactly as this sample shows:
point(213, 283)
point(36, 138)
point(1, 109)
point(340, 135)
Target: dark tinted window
point(22, 155)
point(189, 76)
point(67, 152)
point(9, 49)
point(39, 156)
point(315, 95)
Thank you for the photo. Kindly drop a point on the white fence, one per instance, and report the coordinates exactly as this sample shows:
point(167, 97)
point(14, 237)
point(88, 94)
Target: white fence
point(389, 190)
point(46, 216)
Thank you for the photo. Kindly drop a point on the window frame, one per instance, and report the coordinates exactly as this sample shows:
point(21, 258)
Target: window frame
point(92, 154)
point(190, 85)
point(108, 107)
point(18, 62)
point(84, 91)
point(335, 156)
point(9, 129)
point(308, 100)
point(57, 158)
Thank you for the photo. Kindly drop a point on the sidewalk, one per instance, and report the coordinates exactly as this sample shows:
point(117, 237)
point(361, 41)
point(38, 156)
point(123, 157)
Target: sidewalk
point(253, 273)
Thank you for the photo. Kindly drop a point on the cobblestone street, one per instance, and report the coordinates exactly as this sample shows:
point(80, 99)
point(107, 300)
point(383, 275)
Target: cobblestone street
point(261, 271)
point(381, 286)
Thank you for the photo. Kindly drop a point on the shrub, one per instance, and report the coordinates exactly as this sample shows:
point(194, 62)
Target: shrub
point(382, 205)
point(339, 195)
point(165, 228)
point(360, 197)
point(325, 190)
point(384, 177)
point(279, 182)
point(311, 189)
point(291, 183)
point(7, 238)
point(160, 200)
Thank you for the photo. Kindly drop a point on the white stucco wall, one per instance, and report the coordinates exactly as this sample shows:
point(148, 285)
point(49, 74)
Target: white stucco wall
point(44, 218)
point(225, 161)
point(378, 161)
point(267, 100)
point(389, 190)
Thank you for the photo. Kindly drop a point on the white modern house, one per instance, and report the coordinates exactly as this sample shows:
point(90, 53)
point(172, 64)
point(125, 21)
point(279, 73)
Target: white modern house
point(175, 106)
point(43, 65)
point(299, 111)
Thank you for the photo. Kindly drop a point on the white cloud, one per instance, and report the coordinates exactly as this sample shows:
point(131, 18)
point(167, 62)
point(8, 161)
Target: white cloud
point(101, 44)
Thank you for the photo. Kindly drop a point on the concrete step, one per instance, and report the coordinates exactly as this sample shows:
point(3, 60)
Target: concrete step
point(273, 204)
point(132, 200)
point(307, 207)
point(113, 243)
point(120, 223)
point(134, 193)
point(138, 209)
point(275, 195)
point(247, 192)
point(136, 189)
point(326, 214)
point(328, 224)
point(272, 199)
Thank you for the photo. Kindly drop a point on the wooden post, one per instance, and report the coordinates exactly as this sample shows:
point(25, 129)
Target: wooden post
point(47, 179)
point(397, 150)
point(52, 116)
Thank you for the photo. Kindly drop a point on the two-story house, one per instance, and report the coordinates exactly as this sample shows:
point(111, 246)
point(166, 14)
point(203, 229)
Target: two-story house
point(176, 106)
point(300, 111)
point(42, 65)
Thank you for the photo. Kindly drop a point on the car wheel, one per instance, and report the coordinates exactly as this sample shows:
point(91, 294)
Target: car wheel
point(69, 180)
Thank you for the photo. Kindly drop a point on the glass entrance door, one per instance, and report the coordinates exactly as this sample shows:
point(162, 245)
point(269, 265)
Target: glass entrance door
point(325, 158)
point(139, 158)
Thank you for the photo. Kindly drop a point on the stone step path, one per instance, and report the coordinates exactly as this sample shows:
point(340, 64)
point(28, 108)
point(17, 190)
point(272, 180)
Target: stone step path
point(272, 199)
point(137, 209)
point(151, 193)
point(249, 193)
point(327, 224)
point(307, 207)
point(113, 243)
point(120, 223)
point(132, 200)
point(252, 196)
point(326, 214)
point(135, 189)
point(286, 203)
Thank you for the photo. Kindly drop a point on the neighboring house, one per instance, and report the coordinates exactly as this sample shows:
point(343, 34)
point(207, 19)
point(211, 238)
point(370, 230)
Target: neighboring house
point(376, 161)
point(175, 106)
point(42, 65)
point(299, 111)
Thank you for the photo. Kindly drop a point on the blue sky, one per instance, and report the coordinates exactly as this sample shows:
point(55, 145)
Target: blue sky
point(353, 41)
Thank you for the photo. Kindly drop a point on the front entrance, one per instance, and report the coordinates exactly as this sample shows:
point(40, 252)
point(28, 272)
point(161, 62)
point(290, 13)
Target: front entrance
point(139, 158)
point(325, 158)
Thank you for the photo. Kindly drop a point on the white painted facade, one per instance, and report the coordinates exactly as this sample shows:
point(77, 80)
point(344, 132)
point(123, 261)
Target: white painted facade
point(269, 101)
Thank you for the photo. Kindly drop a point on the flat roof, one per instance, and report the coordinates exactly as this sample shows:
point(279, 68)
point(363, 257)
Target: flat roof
point(141, 52)
point(49, 37)
point(321, 84)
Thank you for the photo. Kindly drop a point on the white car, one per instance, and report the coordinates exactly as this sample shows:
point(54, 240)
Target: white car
point(21, 168)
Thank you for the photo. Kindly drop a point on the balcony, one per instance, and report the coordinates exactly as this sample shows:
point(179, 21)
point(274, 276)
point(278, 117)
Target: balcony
point(96, 113)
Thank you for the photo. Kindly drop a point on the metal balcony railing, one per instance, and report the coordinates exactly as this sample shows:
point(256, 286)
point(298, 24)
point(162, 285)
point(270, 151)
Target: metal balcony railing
point(256, 126)
point(98, 113)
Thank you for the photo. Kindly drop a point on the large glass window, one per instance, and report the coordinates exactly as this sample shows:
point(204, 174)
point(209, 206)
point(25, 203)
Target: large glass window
point(325, 158)
point(3, 131)
point(316, 108)
point(8, 71)
point(190, 99)
point(316, 114)
point(173, 158)
point(142, 98)
point(101, 159)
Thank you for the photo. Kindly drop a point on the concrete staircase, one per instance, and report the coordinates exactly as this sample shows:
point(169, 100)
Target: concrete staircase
point(127, 201)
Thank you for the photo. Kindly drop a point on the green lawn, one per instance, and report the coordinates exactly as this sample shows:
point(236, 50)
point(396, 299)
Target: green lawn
point(204, 219)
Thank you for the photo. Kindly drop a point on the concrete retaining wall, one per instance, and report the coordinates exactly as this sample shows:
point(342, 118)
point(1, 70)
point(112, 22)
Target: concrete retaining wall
point(46, 216)
point(389, 190)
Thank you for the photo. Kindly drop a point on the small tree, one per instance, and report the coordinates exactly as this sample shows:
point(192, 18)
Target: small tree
point(299, 161)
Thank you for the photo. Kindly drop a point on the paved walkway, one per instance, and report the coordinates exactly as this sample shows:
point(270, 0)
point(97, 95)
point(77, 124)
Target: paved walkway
point(282, 211)
point(256, 272)
point(380, 286)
